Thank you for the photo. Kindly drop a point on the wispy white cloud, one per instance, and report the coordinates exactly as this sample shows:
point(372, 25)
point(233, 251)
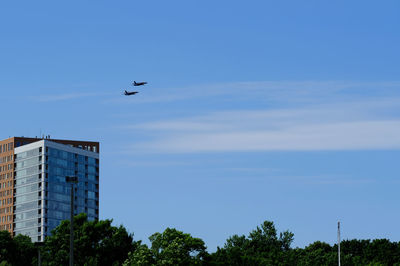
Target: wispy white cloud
point(269, 91)
point(351, 125)
point(146, 163)
point(325, 179)
point(273, 118)
point(335, 136)
point(66, 96)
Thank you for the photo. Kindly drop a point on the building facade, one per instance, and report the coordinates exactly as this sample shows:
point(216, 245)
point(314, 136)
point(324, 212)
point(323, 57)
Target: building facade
point(35, 196)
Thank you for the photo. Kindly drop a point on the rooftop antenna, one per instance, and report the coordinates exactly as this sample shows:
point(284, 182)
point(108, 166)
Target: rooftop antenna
point(338, 237)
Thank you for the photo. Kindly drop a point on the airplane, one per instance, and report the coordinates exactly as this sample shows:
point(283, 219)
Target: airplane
point(139, 83)
point(127, 93)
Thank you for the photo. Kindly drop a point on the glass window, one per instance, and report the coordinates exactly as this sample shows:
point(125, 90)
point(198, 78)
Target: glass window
point(63, 189)
point(91, 186)
point(91, 169)
point(27, 154)
point(81, 159)
point(91, 203)
point(30, 223)
point(27, 180)
point(54, 205)
point(26, 163)
point(58, 215)
point(92, 177)
point(81, 168)
point(29, 232)
point(62, 163)
point(91, 212)
point(27, 197)
point(91, 161)
point(91, 195)
point(59, 197)
point(26, 215)
point(26, 189)
point(26, 206)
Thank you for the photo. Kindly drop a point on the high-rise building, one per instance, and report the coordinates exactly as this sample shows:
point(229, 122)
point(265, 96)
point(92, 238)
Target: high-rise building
point(34, 194)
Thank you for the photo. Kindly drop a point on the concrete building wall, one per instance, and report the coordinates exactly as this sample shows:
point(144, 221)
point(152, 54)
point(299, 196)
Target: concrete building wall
point(6, 184)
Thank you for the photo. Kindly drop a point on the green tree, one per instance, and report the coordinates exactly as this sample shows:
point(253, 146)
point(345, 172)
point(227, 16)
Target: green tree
point(317, 253)
point(26, 250)
point(172, 247)
point(18, 251)
point(95, 243)
point(261, 247)
point(141, 256)
point(383, 251)
point(8, 249)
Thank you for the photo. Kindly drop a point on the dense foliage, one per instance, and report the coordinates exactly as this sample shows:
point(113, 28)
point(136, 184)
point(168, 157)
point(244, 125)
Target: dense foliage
point(100, 243)
point(95, 243)
point(172, 247)
point(15, 251)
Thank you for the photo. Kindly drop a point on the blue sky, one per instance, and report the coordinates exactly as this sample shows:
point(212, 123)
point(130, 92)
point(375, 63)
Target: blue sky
point(255, 110)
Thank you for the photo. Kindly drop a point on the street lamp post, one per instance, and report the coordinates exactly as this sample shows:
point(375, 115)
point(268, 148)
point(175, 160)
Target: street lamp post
point(72, 180)
point(38, 245)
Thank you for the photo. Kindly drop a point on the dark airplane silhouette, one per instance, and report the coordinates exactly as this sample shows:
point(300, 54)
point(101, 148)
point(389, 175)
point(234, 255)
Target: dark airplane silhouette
point(139, 83)
point(127, 93)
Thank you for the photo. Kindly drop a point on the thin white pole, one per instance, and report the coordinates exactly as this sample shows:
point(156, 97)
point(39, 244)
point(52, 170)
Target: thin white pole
point(338, 236)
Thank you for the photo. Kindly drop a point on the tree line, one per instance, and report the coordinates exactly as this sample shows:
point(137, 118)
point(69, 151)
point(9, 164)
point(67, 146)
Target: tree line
point(101, 243)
